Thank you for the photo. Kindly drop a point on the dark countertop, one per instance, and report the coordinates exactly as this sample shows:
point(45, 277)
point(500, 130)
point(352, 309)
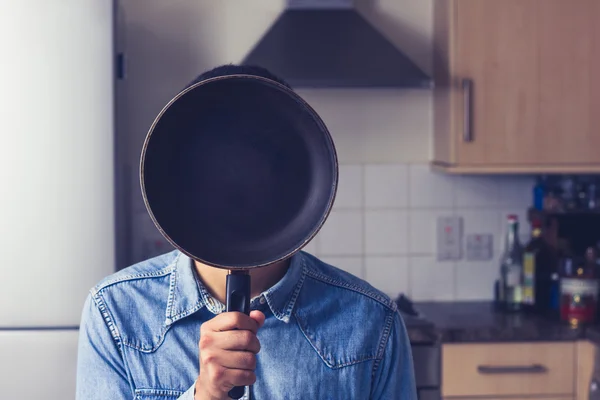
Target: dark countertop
point(471, 322)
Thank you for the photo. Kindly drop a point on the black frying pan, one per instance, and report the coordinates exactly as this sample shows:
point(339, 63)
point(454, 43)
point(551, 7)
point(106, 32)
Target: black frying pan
point(238, 172)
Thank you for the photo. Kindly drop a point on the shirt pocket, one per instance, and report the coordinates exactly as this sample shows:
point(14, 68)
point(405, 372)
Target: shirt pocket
point(157, 394)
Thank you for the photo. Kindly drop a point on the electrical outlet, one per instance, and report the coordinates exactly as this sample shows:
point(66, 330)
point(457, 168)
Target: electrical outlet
point(449, 238)
point(479, 247)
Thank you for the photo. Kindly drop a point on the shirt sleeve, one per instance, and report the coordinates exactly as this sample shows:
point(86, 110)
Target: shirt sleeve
point(101, 372)
point(394, 377)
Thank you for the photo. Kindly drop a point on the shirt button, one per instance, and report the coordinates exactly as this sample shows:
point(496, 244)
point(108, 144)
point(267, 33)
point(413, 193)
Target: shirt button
point(262, 300)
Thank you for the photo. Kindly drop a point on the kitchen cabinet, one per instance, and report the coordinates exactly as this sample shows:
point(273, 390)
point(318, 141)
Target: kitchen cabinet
point(586, 353)
point(516, 86)
point(503, 398)
point(544, 370)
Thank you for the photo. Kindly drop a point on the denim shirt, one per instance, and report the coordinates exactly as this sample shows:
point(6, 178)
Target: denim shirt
point(327, 335)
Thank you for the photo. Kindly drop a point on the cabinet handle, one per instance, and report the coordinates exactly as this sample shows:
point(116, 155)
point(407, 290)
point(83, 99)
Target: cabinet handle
point(467, 87)
point(512, 369)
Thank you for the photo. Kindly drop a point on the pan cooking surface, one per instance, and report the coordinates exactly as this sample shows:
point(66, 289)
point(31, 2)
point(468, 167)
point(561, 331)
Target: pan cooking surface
point(239, 173)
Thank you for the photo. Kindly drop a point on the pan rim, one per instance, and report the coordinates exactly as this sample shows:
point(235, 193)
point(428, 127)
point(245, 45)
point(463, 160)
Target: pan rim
point(315, 116)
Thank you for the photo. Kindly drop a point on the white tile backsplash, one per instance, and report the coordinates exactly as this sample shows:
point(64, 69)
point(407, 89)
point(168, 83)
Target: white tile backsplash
point(396, 249)
point(342, 234)
point(475, 279)
point(476, 191)
point(386, 232)
point(388, 274)
point(353, 265)
point(311, 247)
point(386, 186)
point(483, 221)
point(422, 225)
point(350, 193)
point(431, 279)
point(429, 189)
point(515, 190)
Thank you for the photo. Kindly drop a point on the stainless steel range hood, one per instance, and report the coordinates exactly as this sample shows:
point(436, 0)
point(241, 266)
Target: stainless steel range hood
point(327, 43)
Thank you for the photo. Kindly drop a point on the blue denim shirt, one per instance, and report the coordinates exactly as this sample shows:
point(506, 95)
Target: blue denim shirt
point(327, 335)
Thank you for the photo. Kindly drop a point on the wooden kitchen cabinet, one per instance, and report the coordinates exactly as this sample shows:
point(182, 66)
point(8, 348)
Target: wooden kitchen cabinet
point(586, 353)
point(512, 398)
point(542, 370)
point(517, 86)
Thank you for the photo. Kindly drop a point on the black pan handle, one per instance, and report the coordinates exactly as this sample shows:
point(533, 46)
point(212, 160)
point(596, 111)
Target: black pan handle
point(238, 299)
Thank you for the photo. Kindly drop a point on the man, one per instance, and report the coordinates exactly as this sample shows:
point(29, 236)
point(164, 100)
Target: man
point(158, 330)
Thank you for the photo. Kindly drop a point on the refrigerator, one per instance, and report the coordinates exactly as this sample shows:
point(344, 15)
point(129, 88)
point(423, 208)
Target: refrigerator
point(57, 179)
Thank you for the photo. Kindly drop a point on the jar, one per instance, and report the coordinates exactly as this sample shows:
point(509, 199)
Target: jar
point(578, 293)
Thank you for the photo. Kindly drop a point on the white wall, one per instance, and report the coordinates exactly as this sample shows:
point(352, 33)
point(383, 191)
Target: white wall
point(382, 228)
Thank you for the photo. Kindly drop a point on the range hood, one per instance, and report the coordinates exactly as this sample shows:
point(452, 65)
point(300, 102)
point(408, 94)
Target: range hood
point(327, 43)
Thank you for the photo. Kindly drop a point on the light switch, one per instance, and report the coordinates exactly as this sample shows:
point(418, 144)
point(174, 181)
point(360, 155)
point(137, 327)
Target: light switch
point(479, 247)
point(449, 235)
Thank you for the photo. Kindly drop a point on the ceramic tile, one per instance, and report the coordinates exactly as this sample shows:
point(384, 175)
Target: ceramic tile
point(431, 280)
point(350, 190)
point(482, 221)
point(516, 191)
point(476, 191)
point(429, 189)
point(386, 232)
point(388, 274)
point(311, 247)
point(475, 280)
point(386, 185)
point(353, 265)
point(422, 232)
point(342, 234)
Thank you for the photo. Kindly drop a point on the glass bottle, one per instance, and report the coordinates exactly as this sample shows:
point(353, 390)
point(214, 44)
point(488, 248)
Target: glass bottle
point(539, 263)
point(579, 289)
point(511, 268)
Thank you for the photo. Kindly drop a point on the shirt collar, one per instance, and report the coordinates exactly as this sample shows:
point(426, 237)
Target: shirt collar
point(187, 294)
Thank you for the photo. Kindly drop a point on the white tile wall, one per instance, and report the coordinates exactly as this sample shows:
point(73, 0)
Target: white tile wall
point(383, 226)
point(385, 186)
point(342, 234)
point(389, 238)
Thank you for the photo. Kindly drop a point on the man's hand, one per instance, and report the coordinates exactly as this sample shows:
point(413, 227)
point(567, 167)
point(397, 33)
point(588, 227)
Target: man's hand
point(228, 348)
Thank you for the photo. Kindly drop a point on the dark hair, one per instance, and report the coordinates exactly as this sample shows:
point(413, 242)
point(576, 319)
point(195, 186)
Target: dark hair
point(232, 69)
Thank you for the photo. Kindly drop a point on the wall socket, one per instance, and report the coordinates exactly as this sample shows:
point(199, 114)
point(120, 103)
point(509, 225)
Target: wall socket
point(479, 247)
point(449, 238)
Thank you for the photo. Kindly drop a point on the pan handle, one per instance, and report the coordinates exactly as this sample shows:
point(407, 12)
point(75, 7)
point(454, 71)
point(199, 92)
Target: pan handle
point(238, 299)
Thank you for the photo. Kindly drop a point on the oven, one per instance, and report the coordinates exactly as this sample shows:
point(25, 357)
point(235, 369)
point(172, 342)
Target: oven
point(427, 366)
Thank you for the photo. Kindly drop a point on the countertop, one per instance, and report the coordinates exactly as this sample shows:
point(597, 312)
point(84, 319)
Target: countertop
point(472, 322)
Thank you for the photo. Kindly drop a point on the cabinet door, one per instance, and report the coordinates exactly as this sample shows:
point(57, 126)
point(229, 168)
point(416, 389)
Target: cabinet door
point(496, 49)
point(595, 80)
point(565, 32)
point(508, 369)
point(509, 398)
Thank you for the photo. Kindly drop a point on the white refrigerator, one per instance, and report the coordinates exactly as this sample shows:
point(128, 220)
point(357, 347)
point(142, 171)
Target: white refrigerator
point(57, 185)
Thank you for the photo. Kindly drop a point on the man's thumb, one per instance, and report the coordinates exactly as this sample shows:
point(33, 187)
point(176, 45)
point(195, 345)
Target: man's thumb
point(258, 316)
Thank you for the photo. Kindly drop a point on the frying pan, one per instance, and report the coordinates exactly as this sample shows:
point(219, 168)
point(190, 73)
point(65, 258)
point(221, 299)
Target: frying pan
point(238, 172)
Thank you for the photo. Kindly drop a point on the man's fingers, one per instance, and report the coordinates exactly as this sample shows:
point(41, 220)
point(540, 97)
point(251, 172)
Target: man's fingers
point(233, 340)
point(238, 377)
point(235, 359)
point(228, 321)
point(259, 317)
